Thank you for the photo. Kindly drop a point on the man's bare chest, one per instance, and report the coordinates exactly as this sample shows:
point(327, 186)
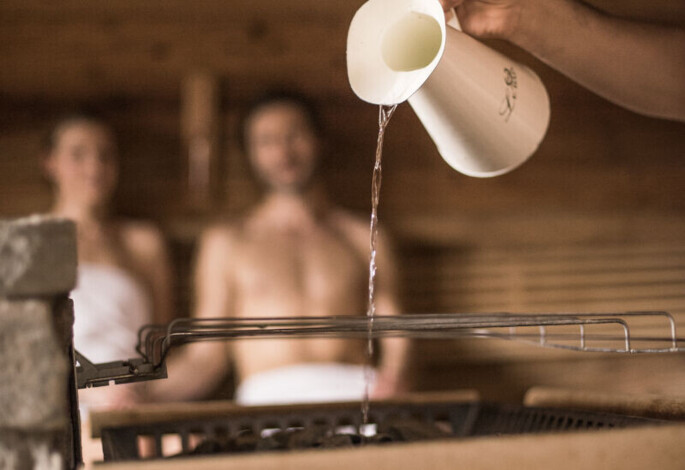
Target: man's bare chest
point(312, 266)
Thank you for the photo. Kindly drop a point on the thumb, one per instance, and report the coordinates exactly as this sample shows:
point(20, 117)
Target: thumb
point(449, 4)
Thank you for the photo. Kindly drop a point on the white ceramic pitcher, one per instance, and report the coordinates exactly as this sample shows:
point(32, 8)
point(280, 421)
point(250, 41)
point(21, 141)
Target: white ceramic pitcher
point(485, 112)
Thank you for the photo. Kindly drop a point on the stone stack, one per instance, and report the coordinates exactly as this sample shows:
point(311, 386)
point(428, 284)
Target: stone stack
point(37, 391)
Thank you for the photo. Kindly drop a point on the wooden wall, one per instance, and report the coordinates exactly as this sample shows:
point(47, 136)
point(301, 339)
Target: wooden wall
point(602, 175)
point(130, 59)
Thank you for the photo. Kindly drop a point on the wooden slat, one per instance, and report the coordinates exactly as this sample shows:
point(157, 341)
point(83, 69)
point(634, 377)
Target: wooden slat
point(628, 449)
point(559, 282)
point(648, 405)
point(143, 49)
point(174, 412)
point(674, 289)
point(495, 228)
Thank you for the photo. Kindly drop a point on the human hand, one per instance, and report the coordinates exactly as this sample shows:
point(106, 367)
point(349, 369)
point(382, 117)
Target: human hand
point(388, 385)
point(125, 396)
point(112, 396)
point(487, 18)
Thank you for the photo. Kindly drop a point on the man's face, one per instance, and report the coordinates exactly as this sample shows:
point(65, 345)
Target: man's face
point(282, 146)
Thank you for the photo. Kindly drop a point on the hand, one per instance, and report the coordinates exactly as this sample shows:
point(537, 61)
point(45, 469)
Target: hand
point(112, 396)
point(487, 18)
point(125, 396)
point(611, 56)
point(388, 385)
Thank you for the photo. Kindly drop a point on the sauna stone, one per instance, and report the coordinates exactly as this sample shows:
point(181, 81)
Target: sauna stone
point(37, 271)
point(33, 389)
point(37, 256)
point(32, 384)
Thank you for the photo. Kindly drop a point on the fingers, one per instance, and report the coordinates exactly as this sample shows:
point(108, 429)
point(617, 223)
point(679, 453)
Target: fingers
point(388, 385)
point(449, 4)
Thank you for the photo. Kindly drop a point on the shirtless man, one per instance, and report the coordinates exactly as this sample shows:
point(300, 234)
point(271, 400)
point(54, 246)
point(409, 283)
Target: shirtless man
point(294, 254)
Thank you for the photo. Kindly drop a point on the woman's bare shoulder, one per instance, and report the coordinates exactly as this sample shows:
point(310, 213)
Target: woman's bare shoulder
point(145, 248)
point(141, 236)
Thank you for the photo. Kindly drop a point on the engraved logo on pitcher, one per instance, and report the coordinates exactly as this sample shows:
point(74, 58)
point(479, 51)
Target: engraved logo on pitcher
point(509, 102)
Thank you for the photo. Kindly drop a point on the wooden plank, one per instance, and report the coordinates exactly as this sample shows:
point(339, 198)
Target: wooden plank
point(542, 306)
point(519, 229)
point(171, 412)
point(474, 282)
point(647, 405)
point(178, 10)
point(530, 269)
point(144, 49)
point(589, 250)
point(628, 449)
point(663, 290)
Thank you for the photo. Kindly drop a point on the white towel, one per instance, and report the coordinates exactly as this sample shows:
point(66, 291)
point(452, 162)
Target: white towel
point(109, 308)
point(305, 383)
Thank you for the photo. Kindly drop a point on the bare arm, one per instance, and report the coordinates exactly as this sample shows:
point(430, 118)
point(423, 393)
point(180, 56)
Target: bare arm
point(145, 244)
point(160, 275)
point(198, 368)
point(394, 351)
point(145, 249)
point(636, 65)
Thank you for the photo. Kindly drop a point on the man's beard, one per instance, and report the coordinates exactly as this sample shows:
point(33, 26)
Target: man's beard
point(297, 186)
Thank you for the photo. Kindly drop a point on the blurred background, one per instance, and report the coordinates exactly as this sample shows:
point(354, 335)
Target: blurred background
point(593, 221)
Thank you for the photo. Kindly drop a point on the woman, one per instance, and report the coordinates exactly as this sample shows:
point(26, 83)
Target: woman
point(124, 277)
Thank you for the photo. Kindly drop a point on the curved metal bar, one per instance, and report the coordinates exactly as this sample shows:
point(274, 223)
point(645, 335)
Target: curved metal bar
point(188, 330)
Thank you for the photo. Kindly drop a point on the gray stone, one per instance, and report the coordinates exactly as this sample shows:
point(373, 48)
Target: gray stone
point(30, 451)
point(37, 256)
point(63, 315)
point(33, 368)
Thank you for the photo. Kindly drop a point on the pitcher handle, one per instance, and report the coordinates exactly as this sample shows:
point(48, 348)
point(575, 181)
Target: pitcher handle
point(453, 21)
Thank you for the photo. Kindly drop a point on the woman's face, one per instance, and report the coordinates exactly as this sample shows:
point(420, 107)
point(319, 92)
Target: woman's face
point(83, 163)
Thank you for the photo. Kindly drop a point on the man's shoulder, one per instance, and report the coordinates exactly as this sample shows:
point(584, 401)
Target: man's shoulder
point(355, 227)
point(349, 219)
point(222, 232)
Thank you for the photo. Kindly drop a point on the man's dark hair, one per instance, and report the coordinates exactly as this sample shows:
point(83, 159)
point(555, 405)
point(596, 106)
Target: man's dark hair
point(295, 98)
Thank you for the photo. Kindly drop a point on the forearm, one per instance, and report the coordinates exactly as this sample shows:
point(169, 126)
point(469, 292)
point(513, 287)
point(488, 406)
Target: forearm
point(197, 369)
point(192, 373)
point(638, 66)
point(394, 358)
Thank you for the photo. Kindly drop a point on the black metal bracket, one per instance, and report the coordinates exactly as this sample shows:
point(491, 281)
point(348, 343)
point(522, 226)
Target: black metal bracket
point(120, 372)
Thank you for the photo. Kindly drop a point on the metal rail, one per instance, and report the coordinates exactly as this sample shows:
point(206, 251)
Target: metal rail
point(119, 372)
point(155, 341)
point(627, 332)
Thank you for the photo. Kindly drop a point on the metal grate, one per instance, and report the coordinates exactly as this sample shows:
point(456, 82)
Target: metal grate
point(504, 419)
point(462, 420)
